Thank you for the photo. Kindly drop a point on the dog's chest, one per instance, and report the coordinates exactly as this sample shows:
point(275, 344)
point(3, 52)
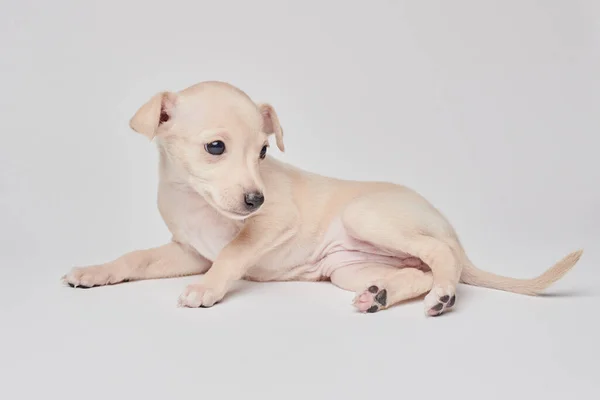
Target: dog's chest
point(193, 221)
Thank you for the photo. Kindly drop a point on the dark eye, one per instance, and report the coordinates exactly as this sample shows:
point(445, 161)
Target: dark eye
point(263, 152)
point(215, 148)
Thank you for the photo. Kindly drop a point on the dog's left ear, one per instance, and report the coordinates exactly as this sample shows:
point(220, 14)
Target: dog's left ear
point(271, 124)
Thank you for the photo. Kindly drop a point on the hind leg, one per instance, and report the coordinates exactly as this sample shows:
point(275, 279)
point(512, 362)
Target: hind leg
point(445, 269)
point(380, 286)
point(398, 224)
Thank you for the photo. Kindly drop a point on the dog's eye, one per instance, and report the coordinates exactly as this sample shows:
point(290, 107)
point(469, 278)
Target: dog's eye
point(263, 152)
point(215, 148)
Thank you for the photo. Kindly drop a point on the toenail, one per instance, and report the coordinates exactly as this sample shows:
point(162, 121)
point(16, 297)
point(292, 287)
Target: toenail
point(452, 300)
point(437, 307)
point(373, 289)
point(79, 286)
point(444, 299)
point(381, 297)
point(372, 309)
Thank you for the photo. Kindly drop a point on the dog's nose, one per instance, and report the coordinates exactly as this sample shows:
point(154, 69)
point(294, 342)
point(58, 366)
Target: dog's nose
point(254, 200)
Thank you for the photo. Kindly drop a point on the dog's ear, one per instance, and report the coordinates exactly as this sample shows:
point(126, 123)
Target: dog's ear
point(271, 123)
point(155, 112)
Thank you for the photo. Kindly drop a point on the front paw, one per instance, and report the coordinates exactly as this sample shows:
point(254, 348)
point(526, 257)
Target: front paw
point(87, 277)
point(198, 295)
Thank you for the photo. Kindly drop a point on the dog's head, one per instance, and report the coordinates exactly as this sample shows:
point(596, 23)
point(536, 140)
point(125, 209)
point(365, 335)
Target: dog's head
point(215, 137)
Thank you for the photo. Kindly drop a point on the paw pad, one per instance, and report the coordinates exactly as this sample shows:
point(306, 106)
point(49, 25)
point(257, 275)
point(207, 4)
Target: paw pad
point(371, 300)
point(444, 303)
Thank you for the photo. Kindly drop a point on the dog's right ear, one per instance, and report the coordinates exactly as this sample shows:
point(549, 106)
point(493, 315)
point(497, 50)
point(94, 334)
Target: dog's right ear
point(157, 111)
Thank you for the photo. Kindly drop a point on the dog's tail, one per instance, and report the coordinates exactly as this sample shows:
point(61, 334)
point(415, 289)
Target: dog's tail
point(472, 275)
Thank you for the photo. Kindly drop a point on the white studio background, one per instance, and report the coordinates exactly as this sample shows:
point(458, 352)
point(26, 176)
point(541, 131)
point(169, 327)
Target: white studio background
point(488, 108)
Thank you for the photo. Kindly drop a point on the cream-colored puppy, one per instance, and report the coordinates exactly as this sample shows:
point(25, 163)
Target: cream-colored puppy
point(236, 213)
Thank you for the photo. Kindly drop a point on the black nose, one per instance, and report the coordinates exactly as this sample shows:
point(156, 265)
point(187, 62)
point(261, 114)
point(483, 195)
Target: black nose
point(254, 200)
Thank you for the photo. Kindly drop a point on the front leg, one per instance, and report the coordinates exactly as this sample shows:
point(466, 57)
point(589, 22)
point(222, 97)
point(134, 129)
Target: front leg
point(258, 237)
point(170, 260)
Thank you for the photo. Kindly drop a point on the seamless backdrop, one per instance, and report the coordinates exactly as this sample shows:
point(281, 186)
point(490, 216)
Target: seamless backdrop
point(488, 108)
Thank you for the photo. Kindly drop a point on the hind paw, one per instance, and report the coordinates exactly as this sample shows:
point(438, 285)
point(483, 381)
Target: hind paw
point(439, 301)
point(373, 299)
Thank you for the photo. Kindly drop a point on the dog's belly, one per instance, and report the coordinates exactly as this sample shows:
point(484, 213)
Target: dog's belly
point(336, 249)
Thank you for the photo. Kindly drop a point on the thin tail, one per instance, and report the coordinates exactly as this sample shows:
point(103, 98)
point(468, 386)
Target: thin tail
point(472, 275)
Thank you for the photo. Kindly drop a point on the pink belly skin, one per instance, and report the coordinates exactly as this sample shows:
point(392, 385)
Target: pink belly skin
point(338, 249)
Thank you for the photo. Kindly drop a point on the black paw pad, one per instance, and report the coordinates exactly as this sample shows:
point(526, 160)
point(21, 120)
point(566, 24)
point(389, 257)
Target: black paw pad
point(452, 301)
point(373, 289)
point(437, 307)
point(445, 298)
point(381, 297)
point(373, 309)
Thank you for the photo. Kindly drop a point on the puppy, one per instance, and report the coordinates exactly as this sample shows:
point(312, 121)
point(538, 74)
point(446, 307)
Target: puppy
point(236, 213)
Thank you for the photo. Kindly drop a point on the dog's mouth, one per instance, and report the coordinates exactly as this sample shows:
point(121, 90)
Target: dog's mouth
point(231, 214)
